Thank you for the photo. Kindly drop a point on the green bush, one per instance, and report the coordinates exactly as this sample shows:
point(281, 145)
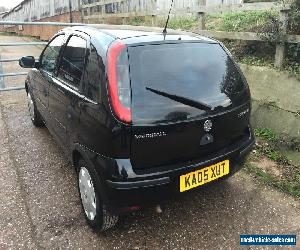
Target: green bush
point(136, 21)
point(240, 21)
point(294, 23)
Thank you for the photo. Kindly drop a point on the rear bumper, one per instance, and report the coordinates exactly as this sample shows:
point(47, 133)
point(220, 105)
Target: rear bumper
point(144, 188)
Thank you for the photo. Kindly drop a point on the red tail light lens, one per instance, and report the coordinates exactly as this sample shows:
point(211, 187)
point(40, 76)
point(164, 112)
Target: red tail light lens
point(118, 81)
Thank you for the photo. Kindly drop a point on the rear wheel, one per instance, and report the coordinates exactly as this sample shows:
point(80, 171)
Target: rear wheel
point(33, 112)
point(95, 211)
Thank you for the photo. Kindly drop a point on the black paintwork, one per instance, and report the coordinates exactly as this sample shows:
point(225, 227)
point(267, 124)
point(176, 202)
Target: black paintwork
point(132, 170)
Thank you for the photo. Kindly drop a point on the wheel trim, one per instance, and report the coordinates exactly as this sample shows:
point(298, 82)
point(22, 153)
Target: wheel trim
point(87, 193)
point(30, 106)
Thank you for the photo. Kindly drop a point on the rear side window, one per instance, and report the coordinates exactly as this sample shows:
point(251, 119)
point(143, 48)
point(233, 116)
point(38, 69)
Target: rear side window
point(72, 62)
point(94, 73)
point(50, 56)
point(199, 72)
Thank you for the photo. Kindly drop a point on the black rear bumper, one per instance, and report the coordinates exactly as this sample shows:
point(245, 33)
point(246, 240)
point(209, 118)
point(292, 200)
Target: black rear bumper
point(151, 187)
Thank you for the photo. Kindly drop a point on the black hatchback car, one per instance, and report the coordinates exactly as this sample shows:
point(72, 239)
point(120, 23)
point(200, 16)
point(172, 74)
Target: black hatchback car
point(140, 115)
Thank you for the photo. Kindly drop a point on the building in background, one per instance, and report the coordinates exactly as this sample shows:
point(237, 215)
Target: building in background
point(2, 14)
point(43, 11)
point(97, 10)
point(218, 2)
point(94, 11)
point(36, 10)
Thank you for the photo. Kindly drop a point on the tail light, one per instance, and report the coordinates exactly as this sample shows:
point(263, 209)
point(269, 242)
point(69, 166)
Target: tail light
point(118, 81)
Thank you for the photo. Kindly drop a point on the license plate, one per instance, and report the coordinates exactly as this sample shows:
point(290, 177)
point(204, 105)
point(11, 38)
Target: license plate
point(204, 175)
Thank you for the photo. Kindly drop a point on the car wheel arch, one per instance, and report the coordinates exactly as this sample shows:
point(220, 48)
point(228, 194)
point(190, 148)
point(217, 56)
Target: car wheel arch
point(79, 153)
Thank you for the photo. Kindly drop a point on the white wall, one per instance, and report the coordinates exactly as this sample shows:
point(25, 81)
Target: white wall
point(215, 2)
point(36, 9)
point(164, 5)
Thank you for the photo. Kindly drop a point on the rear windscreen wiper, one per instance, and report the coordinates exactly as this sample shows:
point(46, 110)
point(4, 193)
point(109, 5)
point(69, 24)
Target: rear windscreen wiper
point(183, 100)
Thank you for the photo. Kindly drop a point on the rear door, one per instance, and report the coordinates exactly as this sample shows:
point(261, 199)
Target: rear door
point(93, 131)
point(65, 91)
point(186, 102)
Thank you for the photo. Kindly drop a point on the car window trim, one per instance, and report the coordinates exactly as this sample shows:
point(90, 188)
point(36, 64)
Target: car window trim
point(79, 89)
point(59, 55)
point(67, 87)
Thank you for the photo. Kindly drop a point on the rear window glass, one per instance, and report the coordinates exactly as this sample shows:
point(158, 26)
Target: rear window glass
point(200, 72)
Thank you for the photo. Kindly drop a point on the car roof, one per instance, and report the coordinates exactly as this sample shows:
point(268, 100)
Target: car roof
point(136, 34)
point(124, 34)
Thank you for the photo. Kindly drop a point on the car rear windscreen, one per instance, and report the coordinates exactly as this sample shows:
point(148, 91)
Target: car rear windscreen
point(167, 78)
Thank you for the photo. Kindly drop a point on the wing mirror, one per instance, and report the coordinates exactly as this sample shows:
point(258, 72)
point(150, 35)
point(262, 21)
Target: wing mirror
point(27, 62)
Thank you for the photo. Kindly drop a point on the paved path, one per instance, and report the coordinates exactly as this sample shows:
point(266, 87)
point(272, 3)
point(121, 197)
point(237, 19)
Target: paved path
point(10, 52)
point(40, 206)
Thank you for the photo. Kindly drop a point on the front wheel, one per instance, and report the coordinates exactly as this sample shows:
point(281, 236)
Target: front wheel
point(96, 213)
point(33, 112)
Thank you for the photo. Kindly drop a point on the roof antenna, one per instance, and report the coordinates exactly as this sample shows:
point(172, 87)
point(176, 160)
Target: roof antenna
point(167, 22)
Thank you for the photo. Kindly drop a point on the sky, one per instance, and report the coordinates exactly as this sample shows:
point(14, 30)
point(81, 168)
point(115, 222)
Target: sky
point(9, 3)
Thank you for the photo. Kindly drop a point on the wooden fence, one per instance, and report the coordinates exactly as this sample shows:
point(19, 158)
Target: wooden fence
point(284, 38)
point(202, 11)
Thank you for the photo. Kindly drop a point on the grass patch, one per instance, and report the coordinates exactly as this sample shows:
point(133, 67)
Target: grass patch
point(247, 52)
point(267, 141)
point(137, 21)
point(291, 187)
point(292, 68)
point(240, 21)
point(266, 133)
point(183, 23)
point(268, 145)
point(274, 155)
point(255, 61)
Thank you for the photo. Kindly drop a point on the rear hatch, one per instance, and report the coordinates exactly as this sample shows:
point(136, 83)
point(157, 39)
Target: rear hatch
point(189, 100)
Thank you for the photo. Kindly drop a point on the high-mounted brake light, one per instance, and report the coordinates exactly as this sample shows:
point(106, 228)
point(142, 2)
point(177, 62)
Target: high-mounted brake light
point(118, 81)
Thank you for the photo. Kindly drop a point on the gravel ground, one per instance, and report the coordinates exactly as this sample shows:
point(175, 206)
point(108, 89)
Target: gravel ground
point(40, 207)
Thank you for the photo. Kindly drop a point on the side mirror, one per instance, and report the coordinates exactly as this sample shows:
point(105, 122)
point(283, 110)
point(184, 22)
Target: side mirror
point(27, 62)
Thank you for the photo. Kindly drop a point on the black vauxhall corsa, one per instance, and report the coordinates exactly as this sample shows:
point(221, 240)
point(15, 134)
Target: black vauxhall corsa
point(139, 114)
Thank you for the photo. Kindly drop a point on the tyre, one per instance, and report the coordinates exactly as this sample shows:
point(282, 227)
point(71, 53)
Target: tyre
point(33, 112)
point(95, 211)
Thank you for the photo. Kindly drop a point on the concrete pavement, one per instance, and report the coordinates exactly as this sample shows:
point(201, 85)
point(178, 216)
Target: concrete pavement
point(40, 207)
